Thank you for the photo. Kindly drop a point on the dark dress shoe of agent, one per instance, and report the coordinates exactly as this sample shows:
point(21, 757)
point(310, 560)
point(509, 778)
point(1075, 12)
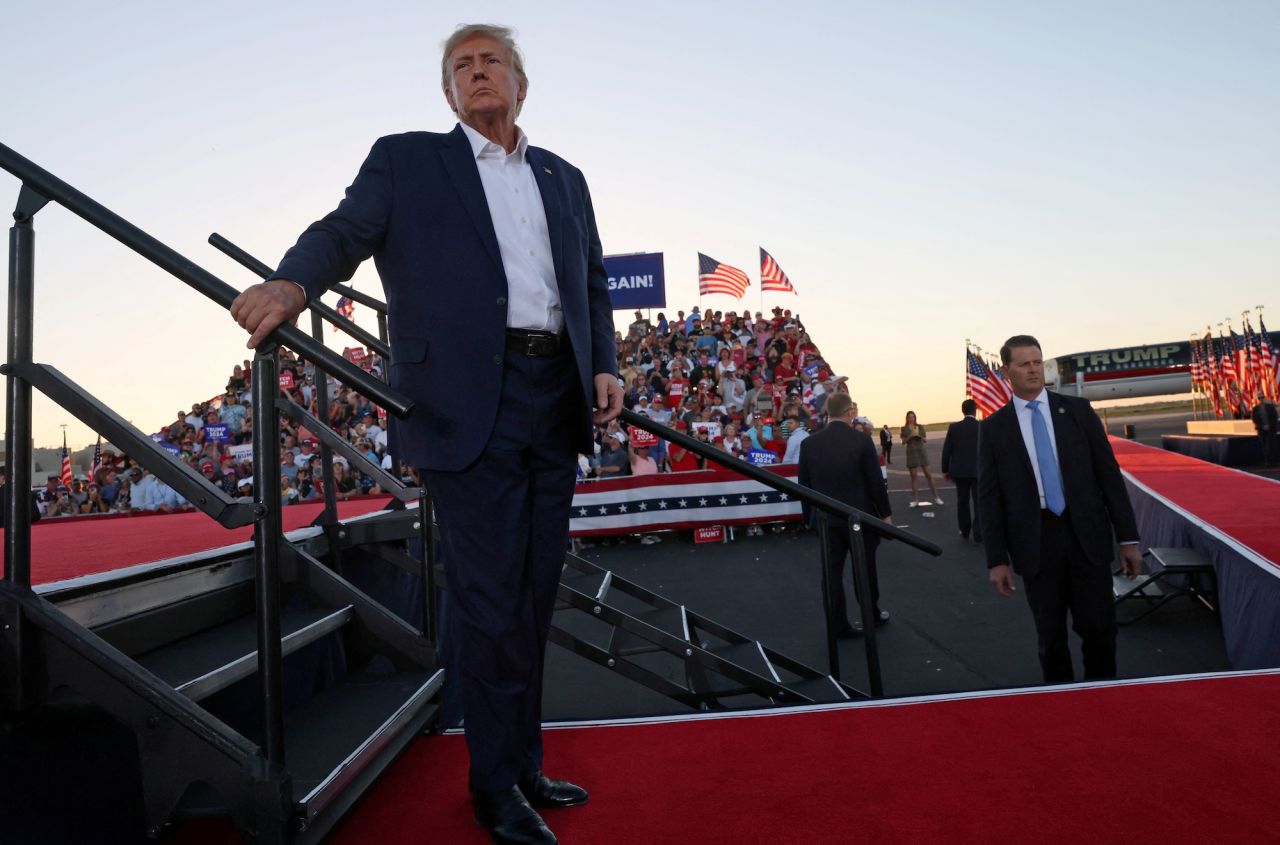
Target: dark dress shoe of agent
point(509, 819)
point(542, 791)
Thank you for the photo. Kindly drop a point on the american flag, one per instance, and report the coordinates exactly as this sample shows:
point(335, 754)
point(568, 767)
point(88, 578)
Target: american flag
point(346, 307)
point(1269, 361)
point(1244, 373)
point(714, 277)
point(66, 462)
point(1257, 367)
point(982, 386)
point(771, 275)
point(97, 459)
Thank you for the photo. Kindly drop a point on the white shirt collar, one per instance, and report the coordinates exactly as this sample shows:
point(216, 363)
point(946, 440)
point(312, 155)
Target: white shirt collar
point(482, 147)
point(1021, 404)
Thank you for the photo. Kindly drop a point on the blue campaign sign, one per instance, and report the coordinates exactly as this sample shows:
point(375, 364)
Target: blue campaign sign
point(761, 458)
point(170, 448)
point(636, 281)
point(217, 433)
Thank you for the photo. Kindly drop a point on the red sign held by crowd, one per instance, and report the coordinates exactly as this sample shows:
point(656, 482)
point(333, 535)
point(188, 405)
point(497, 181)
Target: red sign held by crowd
point(354, 354)
point(709, 534)
point(640, 437)
point(286, 380)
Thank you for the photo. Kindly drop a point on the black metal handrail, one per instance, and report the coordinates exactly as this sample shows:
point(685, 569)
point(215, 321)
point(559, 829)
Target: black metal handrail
point(363, 298)
point(856, 521)
point(51, 188)
point(263, 271)
point(329, 440)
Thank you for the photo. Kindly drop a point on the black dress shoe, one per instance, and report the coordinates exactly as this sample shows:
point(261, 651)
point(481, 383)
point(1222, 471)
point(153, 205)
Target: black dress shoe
point(509, 819)
point(542, 791)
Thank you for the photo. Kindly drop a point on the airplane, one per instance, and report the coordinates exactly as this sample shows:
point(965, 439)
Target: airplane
point(1126, 372)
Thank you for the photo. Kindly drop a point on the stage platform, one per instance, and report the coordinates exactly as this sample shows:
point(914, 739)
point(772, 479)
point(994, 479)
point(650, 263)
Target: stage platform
point(1231, 518)
point(1182, 759)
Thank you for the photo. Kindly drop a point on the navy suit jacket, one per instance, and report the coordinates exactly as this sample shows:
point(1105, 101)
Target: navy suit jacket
point(1009, 504)
point(418, 208)
point(841, 462)
point(960, 449)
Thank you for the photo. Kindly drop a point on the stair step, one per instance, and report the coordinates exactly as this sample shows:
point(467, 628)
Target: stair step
point(339, 741)
point(747, 656)
point(213, 659)
point(1148, 589)
point(819, 690)
point(585, 582)
point(669, 619)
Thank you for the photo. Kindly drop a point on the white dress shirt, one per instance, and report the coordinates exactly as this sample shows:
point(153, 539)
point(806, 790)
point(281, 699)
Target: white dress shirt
point(520, 222)
point(1028, 438)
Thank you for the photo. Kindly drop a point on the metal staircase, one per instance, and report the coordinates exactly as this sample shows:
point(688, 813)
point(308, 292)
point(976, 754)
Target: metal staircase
point(669, 648)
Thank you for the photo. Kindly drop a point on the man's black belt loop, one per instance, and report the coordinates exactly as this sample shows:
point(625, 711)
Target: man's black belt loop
point(535, 343)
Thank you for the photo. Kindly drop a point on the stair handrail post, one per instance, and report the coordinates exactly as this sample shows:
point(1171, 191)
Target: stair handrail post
point(862, 579)
point(22, 250)
point(427, 536)
point(828, 598)
point(330, 514)
point(266, 539)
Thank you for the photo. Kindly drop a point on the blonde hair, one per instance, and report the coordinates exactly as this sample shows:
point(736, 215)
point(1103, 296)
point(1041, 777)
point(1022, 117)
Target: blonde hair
point(504, 35)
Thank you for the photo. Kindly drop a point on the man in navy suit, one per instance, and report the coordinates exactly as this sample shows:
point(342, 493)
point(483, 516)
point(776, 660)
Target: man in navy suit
point(840, 461)
point(960, 464)
point(1051, 499)
point(502, 333)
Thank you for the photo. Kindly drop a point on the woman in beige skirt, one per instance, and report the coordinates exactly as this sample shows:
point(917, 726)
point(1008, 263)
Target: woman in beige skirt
point(913, 437)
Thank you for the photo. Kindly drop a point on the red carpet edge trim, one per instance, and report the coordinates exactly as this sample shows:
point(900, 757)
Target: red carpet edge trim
point(904, 701)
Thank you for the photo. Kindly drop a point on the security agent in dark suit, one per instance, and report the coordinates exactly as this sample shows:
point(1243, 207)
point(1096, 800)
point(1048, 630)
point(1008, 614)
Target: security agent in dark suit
point(1265, 419)
point(1050, 494)
point(960, 464)
point(502, 332)
point(840, 461)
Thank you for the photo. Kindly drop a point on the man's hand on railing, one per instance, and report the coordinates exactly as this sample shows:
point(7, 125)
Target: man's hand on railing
point(608, 398)
point(263, 307)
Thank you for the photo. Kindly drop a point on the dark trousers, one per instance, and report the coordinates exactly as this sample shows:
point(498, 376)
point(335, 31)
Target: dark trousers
point(1270, 443)
point(504, 522)
point(887, 449)
point(1069, 581)
point(966, 492)
point(837, 551)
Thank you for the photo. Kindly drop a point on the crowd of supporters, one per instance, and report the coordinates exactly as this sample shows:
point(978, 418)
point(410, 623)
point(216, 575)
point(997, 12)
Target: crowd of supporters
point(214, 438)
point(749, 385)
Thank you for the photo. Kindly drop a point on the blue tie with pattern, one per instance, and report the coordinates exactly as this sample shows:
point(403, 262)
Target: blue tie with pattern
point(1049, 475)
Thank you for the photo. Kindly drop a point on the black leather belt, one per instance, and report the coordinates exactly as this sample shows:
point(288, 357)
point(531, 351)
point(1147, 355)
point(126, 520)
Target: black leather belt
point(535, 343)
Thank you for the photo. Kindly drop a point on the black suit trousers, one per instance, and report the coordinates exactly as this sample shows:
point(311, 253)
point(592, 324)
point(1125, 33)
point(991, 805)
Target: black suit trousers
point(504, 522)
point(1067, 581)
point(967, 491)
point(837, 552)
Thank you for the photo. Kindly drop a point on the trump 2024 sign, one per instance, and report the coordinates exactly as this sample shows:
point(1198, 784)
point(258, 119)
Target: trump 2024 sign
point(636, 281)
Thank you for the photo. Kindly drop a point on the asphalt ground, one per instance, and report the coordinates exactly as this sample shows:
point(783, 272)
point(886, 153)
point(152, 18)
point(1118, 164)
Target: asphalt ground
point(950, 631)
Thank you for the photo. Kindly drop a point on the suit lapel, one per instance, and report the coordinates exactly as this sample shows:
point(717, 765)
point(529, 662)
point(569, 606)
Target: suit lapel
point(551, 204)
point(460, 164)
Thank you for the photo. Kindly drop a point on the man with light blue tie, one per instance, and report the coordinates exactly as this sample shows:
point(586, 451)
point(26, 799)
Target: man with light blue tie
point(1052, 505)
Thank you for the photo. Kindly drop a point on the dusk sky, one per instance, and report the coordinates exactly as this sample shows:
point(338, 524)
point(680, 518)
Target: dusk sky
point(1095, 173)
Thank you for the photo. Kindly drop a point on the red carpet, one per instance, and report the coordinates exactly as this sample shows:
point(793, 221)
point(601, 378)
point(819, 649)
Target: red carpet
point(73, 547)
point(1238, 504)
point(1187, 761)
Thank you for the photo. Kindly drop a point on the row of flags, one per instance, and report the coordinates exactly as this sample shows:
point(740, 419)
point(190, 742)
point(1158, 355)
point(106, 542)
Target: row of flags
point(717, 277)
point(984, 383)
point(1234, 372)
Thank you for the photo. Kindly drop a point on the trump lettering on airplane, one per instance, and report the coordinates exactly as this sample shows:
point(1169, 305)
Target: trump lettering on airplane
point(636, 280)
